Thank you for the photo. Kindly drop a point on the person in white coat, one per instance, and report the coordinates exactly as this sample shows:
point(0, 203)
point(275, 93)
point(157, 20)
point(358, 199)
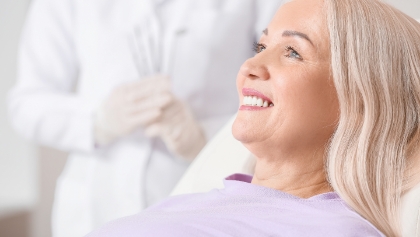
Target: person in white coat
point(132, 89)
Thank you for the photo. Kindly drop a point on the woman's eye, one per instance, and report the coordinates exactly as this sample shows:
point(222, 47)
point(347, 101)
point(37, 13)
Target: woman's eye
point(292, 53)
point(258, 48)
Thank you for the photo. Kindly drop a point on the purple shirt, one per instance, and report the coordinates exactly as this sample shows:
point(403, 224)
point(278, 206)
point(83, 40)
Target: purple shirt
point(243, 209)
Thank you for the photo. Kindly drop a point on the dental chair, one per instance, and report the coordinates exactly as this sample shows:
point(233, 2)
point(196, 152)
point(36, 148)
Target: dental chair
point(224, 156)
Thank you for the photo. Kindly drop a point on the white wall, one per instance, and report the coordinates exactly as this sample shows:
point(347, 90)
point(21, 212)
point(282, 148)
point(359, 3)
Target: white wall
point(17, 157)
point(410, 7)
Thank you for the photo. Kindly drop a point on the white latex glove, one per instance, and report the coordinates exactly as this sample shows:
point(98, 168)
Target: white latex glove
point(131, 106)
point(179, 130)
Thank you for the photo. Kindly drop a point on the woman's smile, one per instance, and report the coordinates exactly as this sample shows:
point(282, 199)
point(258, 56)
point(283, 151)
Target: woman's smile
point(254, 100)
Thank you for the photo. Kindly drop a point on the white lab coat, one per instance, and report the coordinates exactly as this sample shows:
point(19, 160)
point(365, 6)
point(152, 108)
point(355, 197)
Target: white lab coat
point(75, 52)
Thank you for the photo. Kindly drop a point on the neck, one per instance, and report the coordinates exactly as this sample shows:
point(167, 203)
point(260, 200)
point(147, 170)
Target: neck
point(303, 178)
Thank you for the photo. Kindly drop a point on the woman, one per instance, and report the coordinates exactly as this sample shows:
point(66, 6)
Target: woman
point(334, 82)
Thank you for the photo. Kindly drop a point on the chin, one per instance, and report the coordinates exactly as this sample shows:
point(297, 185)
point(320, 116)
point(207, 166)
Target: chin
point(242, 130)
point(245, 132)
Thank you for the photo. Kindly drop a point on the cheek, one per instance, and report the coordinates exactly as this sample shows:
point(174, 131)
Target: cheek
point(308, 101)
point(321, 100)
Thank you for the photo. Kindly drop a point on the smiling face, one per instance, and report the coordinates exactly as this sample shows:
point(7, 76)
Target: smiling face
point(289, 81)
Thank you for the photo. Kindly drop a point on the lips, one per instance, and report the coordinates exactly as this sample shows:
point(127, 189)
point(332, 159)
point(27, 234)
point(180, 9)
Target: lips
point(253, 92)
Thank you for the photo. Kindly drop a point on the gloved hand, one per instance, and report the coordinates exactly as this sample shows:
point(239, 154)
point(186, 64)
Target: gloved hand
point(179, 130)
point(131, 106)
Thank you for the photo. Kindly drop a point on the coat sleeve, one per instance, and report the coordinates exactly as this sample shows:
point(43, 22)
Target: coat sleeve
point(43, 105)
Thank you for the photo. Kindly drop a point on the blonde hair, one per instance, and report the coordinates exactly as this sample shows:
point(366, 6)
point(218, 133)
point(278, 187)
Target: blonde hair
point(375, 63)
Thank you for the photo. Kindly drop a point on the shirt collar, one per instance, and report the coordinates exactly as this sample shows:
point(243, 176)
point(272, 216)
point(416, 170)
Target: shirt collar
point(241, 183)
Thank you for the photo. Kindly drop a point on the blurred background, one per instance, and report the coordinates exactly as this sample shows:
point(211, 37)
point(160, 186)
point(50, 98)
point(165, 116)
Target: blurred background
point(27, 172)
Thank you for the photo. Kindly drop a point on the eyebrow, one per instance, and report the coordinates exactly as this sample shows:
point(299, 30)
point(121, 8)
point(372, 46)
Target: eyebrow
point(288, 33)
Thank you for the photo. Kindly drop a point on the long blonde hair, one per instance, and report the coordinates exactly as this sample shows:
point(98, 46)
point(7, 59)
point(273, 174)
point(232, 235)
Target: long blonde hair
point(375, 60)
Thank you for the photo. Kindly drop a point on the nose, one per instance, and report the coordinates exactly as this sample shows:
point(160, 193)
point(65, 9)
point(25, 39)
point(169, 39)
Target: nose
point(254, 69)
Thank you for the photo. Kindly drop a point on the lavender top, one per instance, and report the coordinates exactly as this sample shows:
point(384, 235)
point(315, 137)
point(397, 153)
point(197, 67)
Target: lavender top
point(243, 209)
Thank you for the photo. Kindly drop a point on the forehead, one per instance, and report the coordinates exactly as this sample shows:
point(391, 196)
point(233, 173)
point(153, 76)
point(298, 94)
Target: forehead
point(306, 16)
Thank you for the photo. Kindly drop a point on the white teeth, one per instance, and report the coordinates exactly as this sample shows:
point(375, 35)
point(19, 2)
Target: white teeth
point(245, 100)
point(260, 102)
point(255, 101)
